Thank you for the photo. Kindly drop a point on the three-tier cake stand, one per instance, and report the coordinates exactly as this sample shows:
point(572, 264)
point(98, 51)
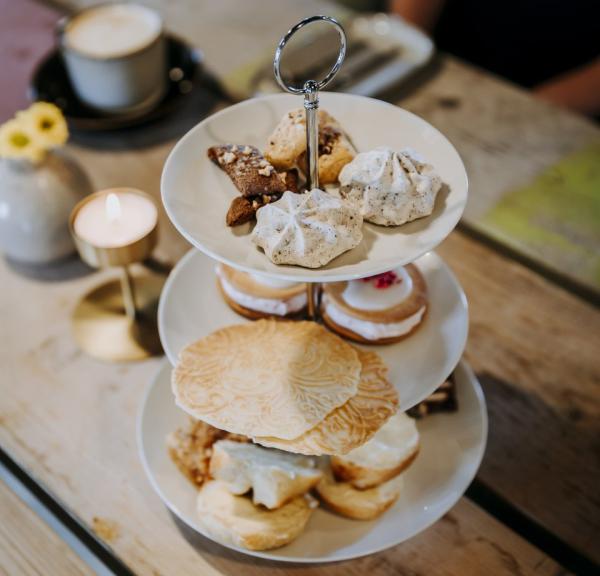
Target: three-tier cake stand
point(196, 197)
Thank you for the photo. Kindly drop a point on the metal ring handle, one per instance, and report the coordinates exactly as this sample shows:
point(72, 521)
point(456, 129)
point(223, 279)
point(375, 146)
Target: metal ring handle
point(338, 63)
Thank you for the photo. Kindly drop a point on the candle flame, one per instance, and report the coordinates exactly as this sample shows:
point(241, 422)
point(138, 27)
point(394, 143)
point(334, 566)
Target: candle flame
point(113, 208)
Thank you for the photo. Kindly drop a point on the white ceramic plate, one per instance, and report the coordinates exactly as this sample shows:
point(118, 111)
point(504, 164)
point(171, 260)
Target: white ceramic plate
point(191, 307)
point(197, 194)
point(452, 446)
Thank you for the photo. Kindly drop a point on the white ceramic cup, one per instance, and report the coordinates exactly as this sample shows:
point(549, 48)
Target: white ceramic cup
point(115, 55)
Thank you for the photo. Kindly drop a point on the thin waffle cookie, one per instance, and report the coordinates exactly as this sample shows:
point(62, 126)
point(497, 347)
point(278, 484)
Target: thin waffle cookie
point(352, 424)
point(268, 378)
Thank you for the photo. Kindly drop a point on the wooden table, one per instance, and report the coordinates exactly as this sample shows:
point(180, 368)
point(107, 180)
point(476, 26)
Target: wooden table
point(68, 421)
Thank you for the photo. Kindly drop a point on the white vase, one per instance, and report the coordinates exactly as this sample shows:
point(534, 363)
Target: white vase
point(35, 203)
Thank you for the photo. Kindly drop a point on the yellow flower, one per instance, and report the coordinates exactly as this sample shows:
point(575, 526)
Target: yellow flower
point(47, 124)
point(17, 141)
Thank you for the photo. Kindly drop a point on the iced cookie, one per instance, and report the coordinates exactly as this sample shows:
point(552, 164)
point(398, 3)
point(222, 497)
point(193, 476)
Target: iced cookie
point(307, 230)
point(390, 188)
point(380, 309)
point(255, 296)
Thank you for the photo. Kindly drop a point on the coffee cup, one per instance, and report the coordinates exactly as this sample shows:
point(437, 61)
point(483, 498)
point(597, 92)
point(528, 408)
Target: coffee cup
point(115, 56)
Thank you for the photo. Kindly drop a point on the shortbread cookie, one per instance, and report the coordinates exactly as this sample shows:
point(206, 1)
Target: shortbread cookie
point(255, 296)
point(307, 230)
point(346, 500)
point(266, 378)
point(387, 454)
point(286, 147)
point(335, 151)
point(190, 448)
point(248, 169)
point(353, 423)
point(390, 188)
point(275, 477)
point(381, 309)
point(235, 520)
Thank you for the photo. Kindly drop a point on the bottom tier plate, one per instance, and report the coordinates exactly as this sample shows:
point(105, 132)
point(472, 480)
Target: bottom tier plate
point(191, 307)
point(452, 446)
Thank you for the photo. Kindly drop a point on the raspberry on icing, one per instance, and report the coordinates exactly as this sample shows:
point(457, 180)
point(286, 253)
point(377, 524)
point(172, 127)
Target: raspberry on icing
point(383, 280)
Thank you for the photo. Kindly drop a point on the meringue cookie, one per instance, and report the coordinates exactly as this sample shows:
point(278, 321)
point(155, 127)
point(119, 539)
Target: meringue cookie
point(390, 188)
point(308, 230)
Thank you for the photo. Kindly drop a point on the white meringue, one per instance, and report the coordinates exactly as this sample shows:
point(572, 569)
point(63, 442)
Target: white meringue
point(308, 230)
point(390, 188)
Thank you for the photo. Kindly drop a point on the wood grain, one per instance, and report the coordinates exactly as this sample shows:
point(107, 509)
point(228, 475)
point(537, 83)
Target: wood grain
point(505, 136)
point(28, 546)
point(535, 349)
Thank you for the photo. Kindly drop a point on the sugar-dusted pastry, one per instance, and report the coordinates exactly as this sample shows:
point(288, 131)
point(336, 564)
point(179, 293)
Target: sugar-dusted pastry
point(355, 422)
point(256, 296)
point(307, 230)
point(274, 477)
point(236, 520)
point(266, 378)
point(190, 448)
point(286, 147)
point(390, 188)
point(387, 454)
point(380, 309)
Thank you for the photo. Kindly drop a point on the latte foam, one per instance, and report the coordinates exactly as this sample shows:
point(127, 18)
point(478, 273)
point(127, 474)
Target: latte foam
point(114, 30)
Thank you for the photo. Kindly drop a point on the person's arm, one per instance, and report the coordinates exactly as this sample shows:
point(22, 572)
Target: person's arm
point(578, 89)
point(422, 13)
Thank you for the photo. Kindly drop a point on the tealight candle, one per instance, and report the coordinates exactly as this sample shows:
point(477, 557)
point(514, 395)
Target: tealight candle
point(115, 218)
point(117, 320)
point(115, 227)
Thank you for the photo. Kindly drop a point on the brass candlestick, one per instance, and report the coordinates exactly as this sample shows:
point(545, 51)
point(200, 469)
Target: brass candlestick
point(116, 321)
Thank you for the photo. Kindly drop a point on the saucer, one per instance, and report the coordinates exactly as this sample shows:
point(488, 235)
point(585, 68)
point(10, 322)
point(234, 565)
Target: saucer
point(197, 195)
point(50, 83)
point(192, 307)
point(452, 446)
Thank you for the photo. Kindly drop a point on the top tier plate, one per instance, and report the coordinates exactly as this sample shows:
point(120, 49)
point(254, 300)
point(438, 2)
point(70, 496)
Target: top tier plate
point(197, 194)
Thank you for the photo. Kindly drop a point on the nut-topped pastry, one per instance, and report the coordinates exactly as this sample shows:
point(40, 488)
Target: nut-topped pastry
point(255, 178)
point(380, 309)
point(390, 188)
point(286, 147)
point(256, 296)
point(307, 230)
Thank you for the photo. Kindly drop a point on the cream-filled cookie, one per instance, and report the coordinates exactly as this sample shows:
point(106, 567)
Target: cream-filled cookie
point(377, 310)
point(256, 296)
point(390, 188)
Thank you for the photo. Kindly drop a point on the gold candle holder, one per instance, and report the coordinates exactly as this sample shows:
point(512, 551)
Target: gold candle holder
point(116, 321)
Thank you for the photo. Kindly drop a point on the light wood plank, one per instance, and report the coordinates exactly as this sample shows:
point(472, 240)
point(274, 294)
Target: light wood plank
point(28, 546)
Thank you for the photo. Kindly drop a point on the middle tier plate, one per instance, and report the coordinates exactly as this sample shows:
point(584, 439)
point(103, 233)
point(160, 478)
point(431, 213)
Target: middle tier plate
point(192, 307)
